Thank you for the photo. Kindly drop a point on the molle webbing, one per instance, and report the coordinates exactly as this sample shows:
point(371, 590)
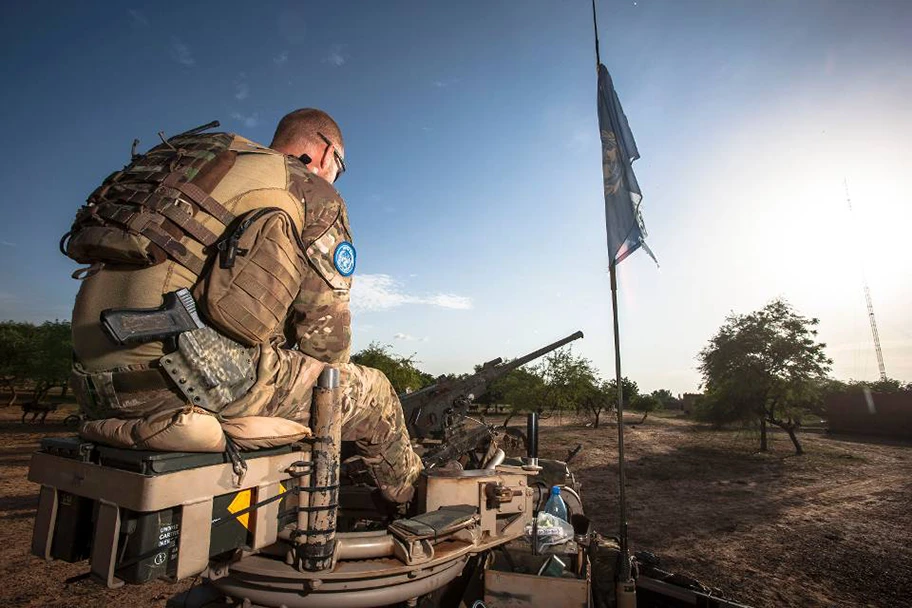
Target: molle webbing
point(200, 197)
point(156, 198)
point(151, 226)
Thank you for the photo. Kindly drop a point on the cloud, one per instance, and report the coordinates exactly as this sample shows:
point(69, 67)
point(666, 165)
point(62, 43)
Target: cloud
point(281, 58)
point(373, 292)
point(335, 56)
point(8, 244)
point(248, 121)
point(139, 18)
point(444, 83)
point(408, 338)
point(242, 91)
point(180, 53)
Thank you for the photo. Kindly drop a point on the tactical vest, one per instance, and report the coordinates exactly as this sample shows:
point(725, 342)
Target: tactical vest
point(144, 213)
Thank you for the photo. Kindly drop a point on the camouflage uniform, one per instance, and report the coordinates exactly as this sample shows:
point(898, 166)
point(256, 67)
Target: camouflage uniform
point(313, 331)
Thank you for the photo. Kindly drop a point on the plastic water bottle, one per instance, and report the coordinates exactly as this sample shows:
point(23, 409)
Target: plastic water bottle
point(555, 505)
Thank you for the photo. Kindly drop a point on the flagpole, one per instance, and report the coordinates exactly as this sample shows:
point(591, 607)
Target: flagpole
point(622, 478)
point(598, 60)
point(624, 575)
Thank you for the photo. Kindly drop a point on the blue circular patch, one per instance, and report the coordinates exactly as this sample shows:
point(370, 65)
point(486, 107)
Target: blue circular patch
point(344, 258)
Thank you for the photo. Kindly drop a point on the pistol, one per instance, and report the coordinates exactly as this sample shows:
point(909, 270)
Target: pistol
point(139, 325)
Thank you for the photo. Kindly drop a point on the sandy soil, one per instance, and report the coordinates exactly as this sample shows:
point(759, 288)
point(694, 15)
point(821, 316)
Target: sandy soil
point(27, 580)
point(831, 528)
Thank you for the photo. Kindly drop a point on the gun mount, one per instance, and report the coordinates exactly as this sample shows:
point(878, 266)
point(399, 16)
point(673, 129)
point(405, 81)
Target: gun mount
point(437, 415)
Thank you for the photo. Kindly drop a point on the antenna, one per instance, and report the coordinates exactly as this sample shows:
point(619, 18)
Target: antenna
point(867, 292)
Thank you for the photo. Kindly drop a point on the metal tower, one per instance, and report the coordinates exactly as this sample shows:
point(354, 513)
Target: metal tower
point(867, 292)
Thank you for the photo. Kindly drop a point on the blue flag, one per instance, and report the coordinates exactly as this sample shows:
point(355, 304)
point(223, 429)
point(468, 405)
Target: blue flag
point(626, 231)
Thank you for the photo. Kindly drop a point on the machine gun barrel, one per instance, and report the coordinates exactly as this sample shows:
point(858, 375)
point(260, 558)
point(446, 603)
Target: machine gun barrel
point(428, 411)
point(538, 353)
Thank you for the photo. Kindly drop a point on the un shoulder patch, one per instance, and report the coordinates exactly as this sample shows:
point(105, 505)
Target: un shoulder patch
point(344, 258)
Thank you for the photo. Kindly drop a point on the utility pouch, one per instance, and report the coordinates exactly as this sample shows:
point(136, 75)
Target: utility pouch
point(209, 369)
point(150, 210)
point(94, 392)
point(93, 244)
point(255, 277)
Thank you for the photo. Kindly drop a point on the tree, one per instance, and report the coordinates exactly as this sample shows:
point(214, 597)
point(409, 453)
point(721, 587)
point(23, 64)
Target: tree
point(646, 404)
point(765, 366)
point(17, 350)
point(885, 385)
point(664, 396)
point(52, 359)
point(39, 354)
point(522, 388)
point(629, 388)
point(570, 380)
point(401, 371)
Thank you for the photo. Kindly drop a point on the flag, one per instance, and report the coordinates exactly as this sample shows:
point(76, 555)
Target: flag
point(626, 231)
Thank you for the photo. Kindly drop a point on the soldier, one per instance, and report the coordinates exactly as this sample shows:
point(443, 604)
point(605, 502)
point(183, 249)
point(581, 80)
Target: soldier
point(262, 239)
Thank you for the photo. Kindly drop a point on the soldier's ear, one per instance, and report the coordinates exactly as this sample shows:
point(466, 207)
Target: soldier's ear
point(327, 157)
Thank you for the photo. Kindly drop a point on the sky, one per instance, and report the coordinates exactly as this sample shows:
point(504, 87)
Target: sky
point(474, 169)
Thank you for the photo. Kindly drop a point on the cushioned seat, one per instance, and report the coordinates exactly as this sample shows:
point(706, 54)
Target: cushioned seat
point(193, 430)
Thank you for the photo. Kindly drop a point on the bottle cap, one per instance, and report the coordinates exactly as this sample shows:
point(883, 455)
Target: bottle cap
point(555, 490)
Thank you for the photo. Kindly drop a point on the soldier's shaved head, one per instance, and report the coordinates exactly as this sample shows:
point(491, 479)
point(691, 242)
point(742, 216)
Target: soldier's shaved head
point(300, 127)
point(314, 137)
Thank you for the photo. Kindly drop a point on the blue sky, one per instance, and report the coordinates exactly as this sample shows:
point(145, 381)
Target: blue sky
point(474, 170)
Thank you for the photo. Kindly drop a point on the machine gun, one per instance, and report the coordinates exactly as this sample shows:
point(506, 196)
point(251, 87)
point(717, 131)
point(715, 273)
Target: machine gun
point(437, 415)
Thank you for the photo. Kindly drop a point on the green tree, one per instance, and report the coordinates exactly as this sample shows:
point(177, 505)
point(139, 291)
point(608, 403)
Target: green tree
point(53, 358)
point(630, 390)
point(522, 389)
point(765, 366)
point(401, 371)
point(40, 355)
point(601, 398)
point(885, 385)
point(569, 379)
point(17, 350)
point(664, 396)
point(646, 404)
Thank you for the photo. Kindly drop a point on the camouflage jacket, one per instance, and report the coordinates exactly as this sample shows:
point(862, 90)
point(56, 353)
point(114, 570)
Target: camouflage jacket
point(318, 322)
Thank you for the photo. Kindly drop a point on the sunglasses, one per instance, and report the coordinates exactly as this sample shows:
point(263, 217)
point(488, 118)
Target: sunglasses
point(340, 162)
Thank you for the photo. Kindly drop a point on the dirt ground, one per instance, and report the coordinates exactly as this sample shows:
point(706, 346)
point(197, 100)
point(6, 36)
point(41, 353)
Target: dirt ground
point(831, 528)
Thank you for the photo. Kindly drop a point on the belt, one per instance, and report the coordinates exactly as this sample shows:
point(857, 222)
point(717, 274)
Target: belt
point(141, 381)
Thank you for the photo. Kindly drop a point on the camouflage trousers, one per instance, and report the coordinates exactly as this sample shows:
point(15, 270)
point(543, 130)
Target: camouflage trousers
point(372, 415)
